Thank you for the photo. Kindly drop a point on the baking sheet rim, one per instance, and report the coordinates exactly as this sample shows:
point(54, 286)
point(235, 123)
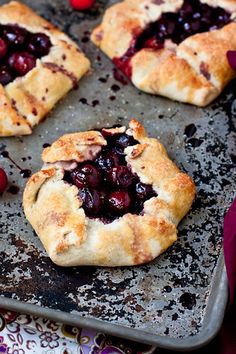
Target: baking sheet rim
point(211, 324)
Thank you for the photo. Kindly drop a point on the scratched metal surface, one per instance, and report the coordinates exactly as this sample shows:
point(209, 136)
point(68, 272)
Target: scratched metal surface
point(168, 296)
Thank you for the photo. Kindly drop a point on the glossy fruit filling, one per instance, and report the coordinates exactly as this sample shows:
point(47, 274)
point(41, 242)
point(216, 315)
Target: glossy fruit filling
point(193, 17)
point(107, 186)
point(19, 50)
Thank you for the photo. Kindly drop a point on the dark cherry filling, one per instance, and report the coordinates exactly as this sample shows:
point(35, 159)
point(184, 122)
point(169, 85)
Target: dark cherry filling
point(193, 17)
point(107, 186)
point(19, 50)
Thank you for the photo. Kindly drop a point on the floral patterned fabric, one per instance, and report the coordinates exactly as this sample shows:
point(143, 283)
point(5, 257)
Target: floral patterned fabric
point(24, 334)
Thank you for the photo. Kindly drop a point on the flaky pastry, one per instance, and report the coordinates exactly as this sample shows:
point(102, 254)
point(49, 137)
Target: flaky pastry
point(107, 198)
point(39, 65)
point(173, 48)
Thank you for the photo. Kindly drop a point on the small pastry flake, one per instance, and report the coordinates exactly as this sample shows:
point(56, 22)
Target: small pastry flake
point(38, 65)
point(107, 198)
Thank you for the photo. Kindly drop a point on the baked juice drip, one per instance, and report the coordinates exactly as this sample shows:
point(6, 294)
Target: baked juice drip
point(19, 51)
point(193, 17)
point(107, 185)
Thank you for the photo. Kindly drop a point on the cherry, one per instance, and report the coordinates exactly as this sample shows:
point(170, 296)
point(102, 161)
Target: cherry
point(143, 191)
point(119, 202)
point(166, 27)
point(5, 75)
point(120, 176)
point(125, 140)
point(14, 35)
point(107, 159)
point(81, 4)
point(153, 43)
point(86, 175)
point(92, 201)
point(231, 56)
point(106, 183)
point(39, 44)
point(21, 62)
point(3, 180)
point(186, 10)
point(193, 17)
point(3, 48)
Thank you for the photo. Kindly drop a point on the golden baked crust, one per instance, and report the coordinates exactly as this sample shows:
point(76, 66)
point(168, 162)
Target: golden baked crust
point(56, 213)
point(195, 71)
point(31, 97)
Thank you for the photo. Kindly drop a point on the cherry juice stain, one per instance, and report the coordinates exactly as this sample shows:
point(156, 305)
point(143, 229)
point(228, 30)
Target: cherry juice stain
point(25, 173)
point(45, 145)
point(119, 76)
point(195, 142)
point(13, 189)
point(190, 130)
point(188, 300)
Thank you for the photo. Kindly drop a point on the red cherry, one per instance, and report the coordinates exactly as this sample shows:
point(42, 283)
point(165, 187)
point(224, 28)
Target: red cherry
point(22, 62)
point(3, 48)
point(3, 180)
point(81, 4)
point(231, 56)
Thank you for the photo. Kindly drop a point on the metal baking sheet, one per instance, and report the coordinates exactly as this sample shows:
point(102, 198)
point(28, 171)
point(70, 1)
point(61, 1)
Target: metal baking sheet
point(176, 301)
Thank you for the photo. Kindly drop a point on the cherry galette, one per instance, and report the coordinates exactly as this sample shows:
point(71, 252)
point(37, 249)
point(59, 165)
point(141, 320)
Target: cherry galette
point(109, 198)
point(174, 48)
point(38, 66)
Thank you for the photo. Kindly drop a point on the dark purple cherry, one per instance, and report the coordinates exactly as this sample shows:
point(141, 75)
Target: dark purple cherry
point(166, 28)
point(92, 202)
point(144, 191)
point(39, 44)
point(221, 17)
point(153, 43)
point(86, 175)
point(107, 159)
point(186, 10)
point(21, 62)
point(119, 202)
point(3, 48)
point(192, 26)
point(231, 56)
point(14, 35)
point(125, 140)
point(120, 176)
point(5, 75)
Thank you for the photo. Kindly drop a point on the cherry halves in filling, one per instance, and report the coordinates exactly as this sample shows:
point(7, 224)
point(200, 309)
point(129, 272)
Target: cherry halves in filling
point(193, 17)
point(19, 50)
point(107, 186)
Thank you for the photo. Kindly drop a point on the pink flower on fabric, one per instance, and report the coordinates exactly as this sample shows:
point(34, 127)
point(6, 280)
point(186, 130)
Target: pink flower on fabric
point(15, 349)
point(49, 339)
point(3, 346)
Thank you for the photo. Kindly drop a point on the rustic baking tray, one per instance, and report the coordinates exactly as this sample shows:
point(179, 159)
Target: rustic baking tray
point(178, 300)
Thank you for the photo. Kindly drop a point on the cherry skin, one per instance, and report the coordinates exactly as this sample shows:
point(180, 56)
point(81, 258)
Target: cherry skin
point(107, 159)
point(3, 48)
point(119, 202)
point(22, 62)
point(231, 56)
point(14, 35)
point(92, 201)
point(125, 140)
point(81, 4)
point(86, 175)
point(120, 176)
point(143, 191)
point(3, 180)
point(5, 75)
point(153, 43)
point(39, 44)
